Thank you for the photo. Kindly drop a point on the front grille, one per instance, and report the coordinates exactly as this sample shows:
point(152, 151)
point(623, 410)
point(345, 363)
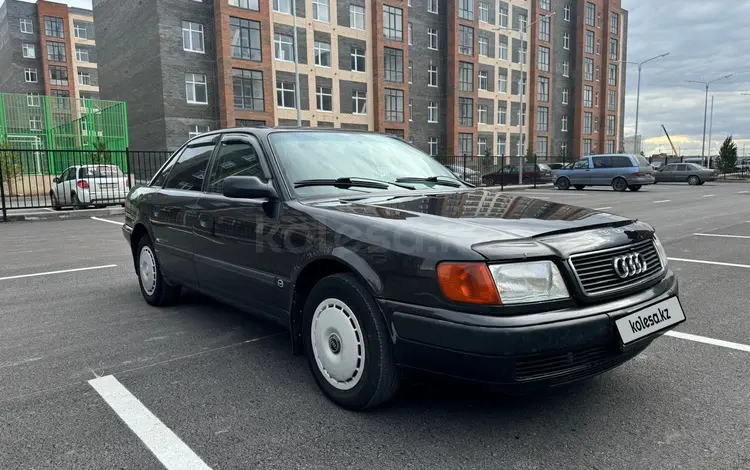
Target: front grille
point(596, 273)
point(546, 366)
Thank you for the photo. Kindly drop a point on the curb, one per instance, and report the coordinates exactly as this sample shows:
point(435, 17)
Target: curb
point(63, 215)
point(731, 181)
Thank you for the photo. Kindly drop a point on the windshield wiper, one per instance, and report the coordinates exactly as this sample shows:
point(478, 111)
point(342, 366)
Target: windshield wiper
point(347, 182)
point(430, 179)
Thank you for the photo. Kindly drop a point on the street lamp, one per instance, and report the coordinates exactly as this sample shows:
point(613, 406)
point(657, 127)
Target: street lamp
point(522, 90)
point(638, 94)
point(705, 109)
point(296, 65)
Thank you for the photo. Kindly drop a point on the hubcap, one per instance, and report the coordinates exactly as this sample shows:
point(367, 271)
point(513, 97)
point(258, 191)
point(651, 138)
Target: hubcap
point(147, 270)
point(338, 344)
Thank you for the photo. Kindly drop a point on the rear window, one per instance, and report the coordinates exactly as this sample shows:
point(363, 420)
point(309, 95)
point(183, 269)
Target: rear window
point(101, 172)
point(641, 160)
point(544, 167)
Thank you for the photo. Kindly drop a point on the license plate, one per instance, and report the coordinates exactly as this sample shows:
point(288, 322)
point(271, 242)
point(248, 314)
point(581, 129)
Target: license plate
point(650, 320)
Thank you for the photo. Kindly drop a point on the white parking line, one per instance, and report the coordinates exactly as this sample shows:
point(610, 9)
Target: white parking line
point(717, 263)
point(106, 220)
point(743, 192)
point(703, 339)
point(602, 208)
point(90, 268)
point(171, 451)
point(719, 235)
point(659, 202)
point(709, 195)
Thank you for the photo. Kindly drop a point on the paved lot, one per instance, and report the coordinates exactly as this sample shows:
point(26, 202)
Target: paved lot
point(227, 385)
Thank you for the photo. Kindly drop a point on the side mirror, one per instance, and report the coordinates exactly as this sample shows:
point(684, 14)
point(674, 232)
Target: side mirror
point(56, 179)
point(248, 187)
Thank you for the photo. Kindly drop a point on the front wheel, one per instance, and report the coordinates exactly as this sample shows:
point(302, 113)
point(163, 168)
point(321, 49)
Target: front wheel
point(348, 344)
point(619, 184)
point(155, 289)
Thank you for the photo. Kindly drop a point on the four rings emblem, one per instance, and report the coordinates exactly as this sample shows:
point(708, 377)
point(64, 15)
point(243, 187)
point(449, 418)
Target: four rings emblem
point(629, 265)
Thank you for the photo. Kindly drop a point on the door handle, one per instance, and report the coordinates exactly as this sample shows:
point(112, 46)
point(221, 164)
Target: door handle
point(204, 221)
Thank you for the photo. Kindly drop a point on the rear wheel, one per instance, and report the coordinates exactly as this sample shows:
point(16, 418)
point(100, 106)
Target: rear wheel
point(526, 180)
point(634, 187)
point(74, 200)
point(487, 181)
point(619, 184)
point(693, 180)
point(155, 289)
point(563, 183)
point(580, 186)
point(55, 202)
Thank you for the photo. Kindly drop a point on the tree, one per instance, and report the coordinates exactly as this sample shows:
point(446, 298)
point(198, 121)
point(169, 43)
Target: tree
point(727, 159)
point(101, 155)
point(10, 166)
point(530, 157)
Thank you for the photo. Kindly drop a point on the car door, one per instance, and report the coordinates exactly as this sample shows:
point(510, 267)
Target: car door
point(234, 252)
point(681, 173)
point(174, 208)
point(580, 174)
point(602, 172)
point(62, 195)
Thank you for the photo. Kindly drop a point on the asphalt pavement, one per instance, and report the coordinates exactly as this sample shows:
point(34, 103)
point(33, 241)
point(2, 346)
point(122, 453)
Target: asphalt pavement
point(92, 377)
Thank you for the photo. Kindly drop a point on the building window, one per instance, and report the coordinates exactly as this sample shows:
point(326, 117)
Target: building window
point(80, 30)
point(394, 105)
point(482, 114)
point(590, 14)
point(432, 141)
point(432, 6)
point(612, 81)
point(409, 32)
point(56, 51)
point(614, 23)
point(33, 100)
point(84, 78)
point(358, 60)
point(483, 81)
point(481, 145)
point(82, 55)
point(465, 112)
point(392, 23)
point(566, 13)
point(465, 76)
point(502, 113)
point(588, 119)
point(610, 146)
point(544, 28)
point(411, 110)
point(501, 142)
point(359, 102)
point(321, 9)
point(356, 17)
point(432, 112)
point(324, 98)
point(195, 130)
point(586, 147)
point(465, 40)
point(322, 54)
point(58, 75)
point(27, 26)
point(611, 100)
point(589, 42)
point(541, 146)
point(566, 68)
point(432, 74)
point(35, 123)
point(29, 51)
point(543, 89)
point(283, 6)
point(484, 12)
point(53, 27)
point(610, 125)
point(502, 83)
point(192, 37)
point(564, 124)
point(566, 41)
point(465, 144)
point(542, 119)
point(466, 9)
point(588, 69)
point(245, 36)
point(484, 46)
point(410, 72)
point(195, 88)
point(588, 92)
point(285, 95)
point(31, 75)
point(565, 95)
point(613, 49)
point(503, 15)
point(248, 89)
point(522, 21)
point(283, 47)
point(597, 73)
point(246, 4)
point(544, 59)
point(502, 48)
point(432, 34)
point(393, 64)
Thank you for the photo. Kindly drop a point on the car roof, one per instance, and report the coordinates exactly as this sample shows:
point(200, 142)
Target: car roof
point(265, 131)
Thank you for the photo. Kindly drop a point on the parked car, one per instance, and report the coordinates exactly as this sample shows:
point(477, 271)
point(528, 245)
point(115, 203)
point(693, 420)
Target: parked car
point(465, 173)
point(620, 171)
point(539, 173)
point(559, 166)
point(378, 261)
point(684, 172)
point(86, 185)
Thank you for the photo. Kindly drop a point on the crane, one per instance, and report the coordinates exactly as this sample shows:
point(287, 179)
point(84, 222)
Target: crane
point(674, 150)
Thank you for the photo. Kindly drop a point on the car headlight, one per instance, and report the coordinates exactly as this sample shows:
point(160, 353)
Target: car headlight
point(537, 281)
point(660, 251)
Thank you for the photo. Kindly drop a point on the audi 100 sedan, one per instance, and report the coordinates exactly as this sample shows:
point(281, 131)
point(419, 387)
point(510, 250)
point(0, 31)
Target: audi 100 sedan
point(379, 261)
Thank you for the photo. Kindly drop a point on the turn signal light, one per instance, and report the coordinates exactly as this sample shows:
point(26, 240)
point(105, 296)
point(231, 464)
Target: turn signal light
point(83, 184)
point(468, 283)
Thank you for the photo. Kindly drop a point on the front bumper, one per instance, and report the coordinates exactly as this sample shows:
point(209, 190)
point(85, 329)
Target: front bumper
point(526, 351)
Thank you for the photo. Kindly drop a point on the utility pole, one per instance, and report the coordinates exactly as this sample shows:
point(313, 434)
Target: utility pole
point(296, 66)
point(705, 109)
point(710, 130)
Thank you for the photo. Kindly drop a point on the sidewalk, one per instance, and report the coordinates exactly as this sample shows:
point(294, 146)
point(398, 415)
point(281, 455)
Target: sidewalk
point(28, 215)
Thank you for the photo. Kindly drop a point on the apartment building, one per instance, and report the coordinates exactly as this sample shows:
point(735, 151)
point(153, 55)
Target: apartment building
point(47, 48)
point(577, 87)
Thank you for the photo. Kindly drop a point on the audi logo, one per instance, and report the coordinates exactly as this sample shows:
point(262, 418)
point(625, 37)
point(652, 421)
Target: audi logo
point(629, 265)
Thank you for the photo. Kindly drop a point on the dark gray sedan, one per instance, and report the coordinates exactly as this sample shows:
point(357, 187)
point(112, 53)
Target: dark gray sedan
point(684, 172)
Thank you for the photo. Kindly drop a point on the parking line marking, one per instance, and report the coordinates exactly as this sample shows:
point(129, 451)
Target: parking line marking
point(743, 192)
point(719, 235)
point(166, 446)
point(63, 271)
point(665, 200)
point(602, 208)
point(717, 263)
point(703, 339)
point(709, 195)
point(108, 221)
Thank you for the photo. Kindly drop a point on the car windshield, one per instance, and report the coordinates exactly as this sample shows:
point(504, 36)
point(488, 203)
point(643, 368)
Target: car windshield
point(329, 155)
point(106, 171)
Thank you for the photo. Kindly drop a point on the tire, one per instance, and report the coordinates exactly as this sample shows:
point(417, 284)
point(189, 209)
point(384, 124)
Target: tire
point(619, 184)
point(701, 183)
point(563, 183)
point(580, 187)
point(55, 203)
point(75, 202)
point(155, 290)
point(526, 180)
point(100, 206)
point(693, 180)
point(341, 316)
point(487, 181)
point(634, 187)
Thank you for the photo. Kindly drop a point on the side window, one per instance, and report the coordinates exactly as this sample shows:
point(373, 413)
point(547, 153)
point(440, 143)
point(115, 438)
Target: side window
point(64, 175)
point(602, 162)
point(621, 162)
point(190, 170)
point(582, 164)
point(235, 158)
point(71, 173)
point(161, 178)
point(681, 167)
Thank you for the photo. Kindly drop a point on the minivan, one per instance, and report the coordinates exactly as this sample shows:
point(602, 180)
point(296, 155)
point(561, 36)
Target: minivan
point(620, 171)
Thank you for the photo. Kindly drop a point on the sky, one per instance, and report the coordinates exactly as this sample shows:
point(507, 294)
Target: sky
point(705, 40)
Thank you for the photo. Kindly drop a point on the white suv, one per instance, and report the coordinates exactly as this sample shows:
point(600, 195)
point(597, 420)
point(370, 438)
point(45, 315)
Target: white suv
point(85, 185)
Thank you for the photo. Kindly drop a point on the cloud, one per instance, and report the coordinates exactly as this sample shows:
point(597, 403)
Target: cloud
point(705, 41)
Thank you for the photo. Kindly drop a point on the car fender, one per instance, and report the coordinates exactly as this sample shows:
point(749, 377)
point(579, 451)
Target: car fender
point(353, 261)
